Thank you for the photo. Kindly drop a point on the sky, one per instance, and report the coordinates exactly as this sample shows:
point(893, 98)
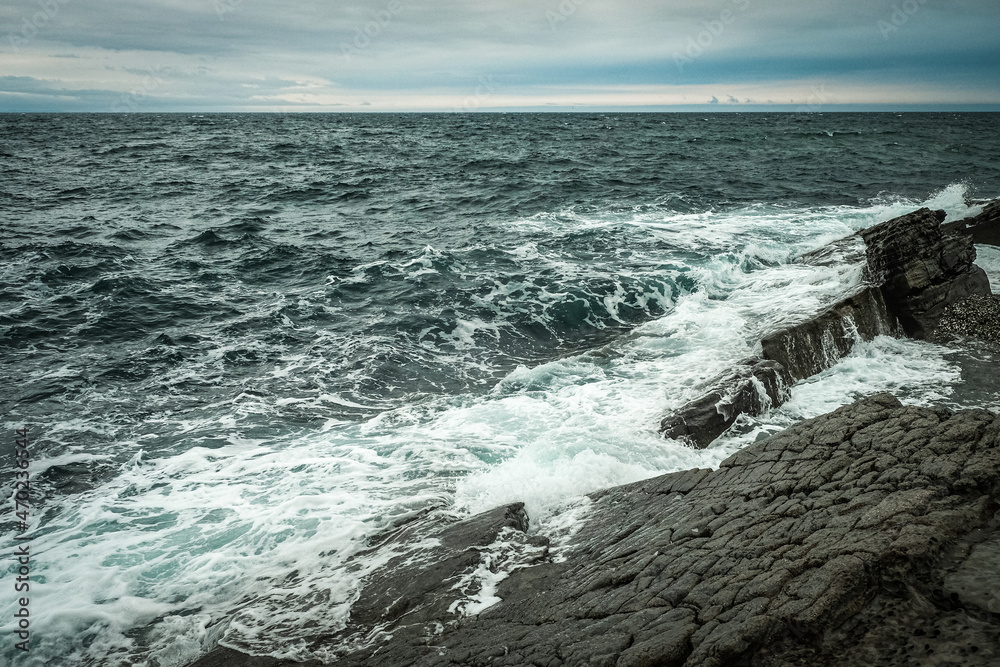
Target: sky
point(491, 55)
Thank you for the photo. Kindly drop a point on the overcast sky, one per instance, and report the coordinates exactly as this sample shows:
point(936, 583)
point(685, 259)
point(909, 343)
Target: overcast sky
point(402, 55)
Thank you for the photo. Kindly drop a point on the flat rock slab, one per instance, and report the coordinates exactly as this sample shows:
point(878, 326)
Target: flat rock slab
point(829, 543)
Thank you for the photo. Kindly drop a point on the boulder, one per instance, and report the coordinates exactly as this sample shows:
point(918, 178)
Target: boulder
point(751, 387)
point(921, 269)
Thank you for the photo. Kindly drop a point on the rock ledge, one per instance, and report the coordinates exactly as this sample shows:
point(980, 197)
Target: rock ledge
point(865, 536)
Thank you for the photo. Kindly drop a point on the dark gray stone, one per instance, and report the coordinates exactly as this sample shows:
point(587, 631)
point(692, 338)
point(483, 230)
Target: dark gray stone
point(756, 385)
point(416, 591)
point(227, 657)
point(820, 342)
point(751, 387)
point(864, 537)
point(916, 274)
point(983, 228)
point(921, 269)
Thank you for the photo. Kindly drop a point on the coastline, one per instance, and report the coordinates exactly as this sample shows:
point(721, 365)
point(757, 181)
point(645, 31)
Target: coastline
point(873, 527)
point(863, 535)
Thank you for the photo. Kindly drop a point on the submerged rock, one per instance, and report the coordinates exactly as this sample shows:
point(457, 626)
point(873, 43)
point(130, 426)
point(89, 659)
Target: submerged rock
point(865, 536)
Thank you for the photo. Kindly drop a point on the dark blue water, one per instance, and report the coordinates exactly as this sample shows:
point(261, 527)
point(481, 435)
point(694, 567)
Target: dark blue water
point(203, 316)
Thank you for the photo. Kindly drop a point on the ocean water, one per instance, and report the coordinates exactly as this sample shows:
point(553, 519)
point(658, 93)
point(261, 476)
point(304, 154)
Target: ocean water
point(245, 345)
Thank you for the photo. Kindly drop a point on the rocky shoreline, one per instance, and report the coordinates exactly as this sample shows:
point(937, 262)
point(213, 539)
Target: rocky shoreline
point(867, 536)
point(919, 274)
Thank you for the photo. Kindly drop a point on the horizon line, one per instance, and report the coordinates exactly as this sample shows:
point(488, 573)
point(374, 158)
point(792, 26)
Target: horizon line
point(693, 108)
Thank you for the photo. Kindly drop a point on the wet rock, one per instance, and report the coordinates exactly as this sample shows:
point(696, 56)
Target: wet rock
point(756, 385)
point(422, 585)
point(921, 269)
point(439, 569)
point(817, 344)
point(917, 275)
point(227, 657)
point(855, 538)
point(751, 387)
point(983, 228)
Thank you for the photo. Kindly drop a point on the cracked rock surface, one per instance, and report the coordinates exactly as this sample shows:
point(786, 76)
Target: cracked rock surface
point(862, 537)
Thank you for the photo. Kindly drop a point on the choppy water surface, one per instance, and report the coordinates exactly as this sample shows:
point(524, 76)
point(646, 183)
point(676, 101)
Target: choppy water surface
point(247, 344)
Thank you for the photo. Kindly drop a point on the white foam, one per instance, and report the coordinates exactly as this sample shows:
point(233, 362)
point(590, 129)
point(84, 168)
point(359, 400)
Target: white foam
point(239, 522)
point(916, 372)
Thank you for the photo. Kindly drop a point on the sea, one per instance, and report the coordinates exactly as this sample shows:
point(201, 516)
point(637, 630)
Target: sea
point(244, 346)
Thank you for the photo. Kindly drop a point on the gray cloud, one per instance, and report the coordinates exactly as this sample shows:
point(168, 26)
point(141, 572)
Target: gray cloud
point(251, 54)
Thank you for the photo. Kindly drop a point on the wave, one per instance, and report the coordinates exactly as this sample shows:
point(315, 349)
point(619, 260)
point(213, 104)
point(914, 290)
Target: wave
point(235, 399)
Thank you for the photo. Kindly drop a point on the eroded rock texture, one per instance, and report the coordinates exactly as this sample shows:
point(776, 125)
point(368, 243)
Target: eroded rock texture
point(918, 273)
point(862, 537)
point(922, 269)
